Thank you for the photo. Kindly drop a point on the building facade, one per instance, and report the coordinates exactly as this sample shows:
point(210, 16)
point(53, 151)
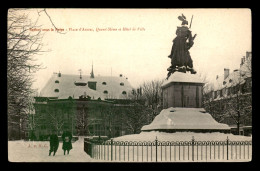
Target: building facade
point(84, 105)
point(229, 97)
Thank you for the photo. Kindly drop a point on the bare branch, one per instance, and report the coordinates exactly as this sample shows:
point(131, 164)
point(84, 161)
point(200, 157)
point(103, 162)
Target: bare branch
point(52, 22)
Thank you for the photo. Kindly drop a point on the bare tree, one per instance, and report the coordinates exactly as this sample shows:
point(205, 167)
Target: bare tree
point(56, 121)
point(152, 92)
point(239, 103)
point(22, 46)
point(83, 121)
point(24, 42)
point(135, 117)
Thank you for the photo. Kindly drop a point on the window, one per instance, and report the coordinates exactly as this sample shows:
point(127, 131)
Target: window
point(124, 92)
point(57, 81)
point(104, 83)
point(105, 92)
point(243, 88)
point(224, 82)
point(230, 81)
point(27, 134)
point(91, 129)
point(228, 91)
point(122, 84)
point(236, 89)
point(218, 92)
point(56, 90)
point(221, 92)
point(215, 94)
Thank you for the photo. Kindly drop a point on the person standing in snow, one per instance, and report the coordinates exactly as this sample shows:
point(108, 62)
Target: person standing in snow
point(67, 145)
point(54, 143)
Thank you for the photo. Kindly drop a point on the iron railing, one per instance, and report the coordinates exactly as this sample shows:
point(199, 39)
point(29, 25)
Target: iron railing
point(167, 151)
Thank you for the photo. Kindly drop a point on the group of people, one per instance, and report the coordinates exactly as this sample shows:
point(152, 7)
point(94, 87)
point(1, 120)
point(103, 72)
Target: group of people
point(54, 142)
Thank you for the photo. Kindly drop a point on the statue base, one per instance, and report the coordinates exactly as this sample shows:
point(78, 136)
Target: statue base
point(185, 119)
point(182, 90)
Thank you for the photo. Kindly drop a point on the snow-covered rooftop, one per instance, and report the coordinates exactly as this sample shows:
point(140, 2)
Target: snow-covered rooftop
point(183, 77)
point(114, 86)
point(236, 77)
point(184, 119)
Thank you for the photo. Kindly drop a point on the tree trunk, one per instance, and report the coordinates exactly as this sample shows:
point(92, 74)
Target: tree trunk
point(238, 127)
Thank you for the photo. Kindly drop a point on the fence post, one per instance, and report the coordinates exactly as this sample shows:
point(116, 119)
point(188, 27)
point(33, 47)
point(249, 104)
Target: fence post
point(111, 149)
point(156, 141)
point(91, 149)
point(227, 147)
point(192, 143)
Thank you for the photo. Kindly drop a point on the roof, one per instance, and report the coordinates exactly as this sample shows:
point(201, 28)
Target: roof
point(234, 78)
point(183, 77)
point(67, 87)
point(185, 119)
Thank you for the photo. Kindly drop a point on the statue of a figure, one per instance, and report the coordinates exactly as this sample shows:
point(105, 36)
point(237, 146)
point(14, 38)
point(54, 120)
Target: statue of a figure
point(180, 56)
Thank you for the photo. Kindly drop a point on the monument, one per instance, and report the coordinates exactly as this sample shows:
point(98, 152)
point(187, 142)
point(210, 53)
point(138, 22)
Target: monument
point(180, 56)
point(182, 92)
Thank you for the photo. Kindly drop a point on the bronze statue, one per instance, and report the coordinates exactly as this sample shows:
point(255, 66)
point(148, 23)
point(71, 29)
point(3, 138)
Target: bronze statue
point(180, 56)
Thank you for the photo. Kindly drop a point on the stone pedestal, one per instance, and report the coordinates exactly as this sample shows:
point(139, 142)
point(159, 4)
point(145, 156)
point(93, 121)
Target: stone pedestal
point(182, 90)
point(182, 103)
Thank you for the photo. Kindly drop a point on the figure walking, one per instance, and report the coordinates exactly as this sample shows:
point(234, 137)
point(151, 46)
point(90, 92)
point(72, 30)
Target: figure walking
point(54, 143)
point(180, 57)
point(66, 138)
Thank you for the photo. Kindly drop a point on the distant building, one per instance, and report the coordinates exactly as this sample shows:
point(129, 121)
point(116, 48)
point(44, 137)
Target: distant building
point(62, 86)
point(85, 105)
point(231, 93)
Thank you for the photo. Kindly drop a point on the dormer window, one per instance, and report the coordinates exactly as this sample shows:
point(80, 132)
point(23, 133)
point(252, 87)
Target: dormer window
point(105, 92)
point(122, 84)
point(56, 90)
point(124, 92)
point(104, 83)
point(230, 81)
point(57, 81)
point(224, 82)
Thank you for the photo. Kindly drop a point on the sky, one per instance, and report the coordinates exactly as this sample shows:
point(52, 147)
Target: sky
point(140, 54)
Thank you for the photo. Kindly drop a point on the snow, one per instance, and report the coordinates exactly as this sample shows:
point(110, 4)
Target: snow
point(185, 118)
point(181, 136)
point(32, 151)
point(182, 153)
point(38, 151)
point(183, 77)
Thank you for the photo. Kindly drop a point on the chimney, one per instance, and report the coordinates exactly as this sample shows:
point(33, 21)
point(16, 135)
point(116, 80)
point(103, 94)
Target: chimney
point(242, 61)
point(226, 73)
point(248, 54)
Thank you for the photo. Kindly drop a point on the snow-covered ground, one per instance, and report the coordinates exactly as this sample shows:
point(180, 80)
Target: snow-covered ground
point(38, 151)
point(32, 151)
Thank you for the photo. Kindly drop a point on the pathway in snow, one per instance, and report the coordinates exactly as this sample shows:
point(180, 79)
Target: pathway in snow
point(32, 151)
